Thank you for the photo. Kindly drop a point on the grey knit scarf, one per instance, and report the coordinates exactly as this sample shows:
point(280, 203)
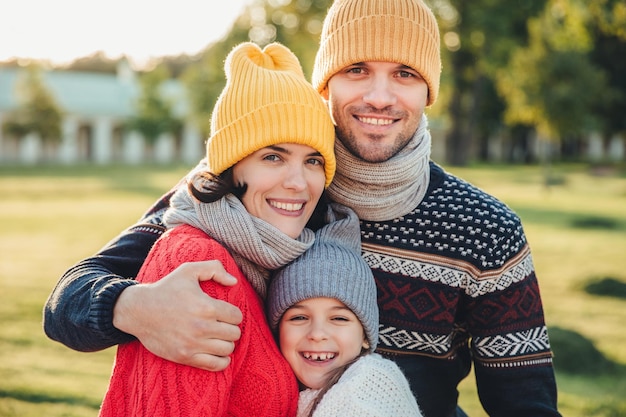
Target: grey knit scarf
point(385, 190)
point(257, 246)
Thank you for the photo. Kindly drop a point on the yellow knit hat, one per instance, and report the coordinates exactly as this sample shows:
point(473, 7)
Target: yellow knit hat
point(267, 101)
point(401, 31)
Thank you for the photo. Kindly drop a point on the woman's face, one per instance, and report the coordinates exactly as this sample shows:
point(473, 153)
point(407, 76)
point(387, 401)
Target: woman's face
point(317, 336)
point(284, 183)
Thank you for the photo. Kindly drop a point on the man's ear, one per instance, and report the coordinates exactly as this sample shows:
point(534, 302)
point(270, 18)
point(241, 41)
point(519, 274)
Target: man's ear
point(324, 93)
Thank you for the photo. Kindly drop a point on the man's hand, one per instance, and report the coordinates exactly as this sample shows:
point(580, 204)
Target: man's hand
point(174, 319)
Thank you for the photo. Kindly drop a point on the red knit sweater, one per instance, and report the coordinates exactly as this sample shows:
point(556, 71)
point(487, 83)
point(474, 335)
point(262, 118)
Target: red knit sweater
point(258, 382)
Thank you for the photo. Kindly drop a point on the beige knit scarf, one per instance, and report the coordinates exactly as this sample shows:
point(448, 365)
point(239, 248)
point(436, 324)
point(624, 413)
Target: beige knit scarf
point(384, 190)
point(257, 247)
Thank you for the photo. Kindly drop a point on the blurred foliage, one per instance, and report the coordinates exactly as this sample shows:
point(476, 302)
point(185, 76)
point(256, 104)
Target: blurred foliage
point(608, 286)
point(154, 111)
point(37, 111)
point(477, 39)
point(609, 16)
point(575, 354)
point(595, 222)
point(511, 70)
point(543, 83)
point(96, 62)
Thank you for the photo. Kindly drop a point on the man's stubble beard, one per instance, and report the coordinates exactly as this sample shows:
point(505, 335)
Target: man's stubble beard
point(370, 149)
point(372, 154)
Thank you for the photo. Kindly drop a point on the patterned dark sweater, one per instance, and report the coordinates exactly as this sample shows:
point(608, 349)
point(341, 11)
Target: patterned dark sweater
point(456, 285)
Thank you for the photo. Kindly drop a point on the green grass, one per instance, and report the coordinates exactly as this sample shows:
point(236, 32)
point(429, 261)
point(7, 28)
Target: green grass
point(51, 217)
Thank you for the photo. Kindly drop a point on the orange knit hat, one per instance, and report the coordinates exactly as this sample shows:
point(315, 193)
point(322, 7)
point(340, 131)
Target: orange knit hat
point(402, 31)
point(267, 101)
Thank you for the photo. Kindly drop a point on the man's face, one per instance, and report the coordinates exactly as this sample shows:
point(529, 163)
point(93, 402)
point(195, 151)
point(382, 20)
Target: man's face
point(376, 107)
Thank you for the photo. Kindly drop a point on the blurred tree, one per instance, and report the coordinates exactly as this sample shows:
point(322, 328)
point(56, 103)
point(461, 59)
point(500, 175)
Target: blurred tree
point(154, 112)
point(491, 65)
point(97, 62)
point(177, 64)
point(610, 17)
point(37, 112)
point(205, 79)
point(609, 53)
point(552, 84)
point(477, 38)
point(203, 82)
point(294, 23)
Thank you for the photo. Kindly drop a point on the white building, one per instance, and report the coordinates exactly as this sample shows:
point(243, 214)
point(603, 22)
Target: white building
point(95, 107)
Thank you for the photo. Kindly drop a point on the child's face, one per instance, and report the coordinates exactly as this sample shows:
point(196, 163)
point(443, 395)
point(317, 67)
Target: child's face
point(318, 335)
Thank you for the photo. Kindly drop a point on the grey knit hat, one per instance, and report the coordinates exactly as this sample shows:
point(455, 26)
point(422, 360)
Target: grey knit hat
point(332, 267)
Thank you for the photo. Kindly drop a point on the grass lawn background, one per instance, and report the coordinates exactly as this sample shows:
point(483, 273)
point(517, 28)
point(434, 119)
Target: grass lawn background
point(51, 217)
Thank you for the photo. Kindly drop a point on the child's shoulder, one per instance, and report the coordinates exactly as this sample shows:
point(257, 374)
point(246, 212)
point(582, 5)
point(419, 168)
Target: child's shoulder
point(374, 367)
point(375, 386)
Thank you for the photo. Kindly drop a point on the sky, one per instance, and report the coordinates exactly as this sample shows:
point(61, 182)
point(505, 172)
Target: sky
point(62, 30)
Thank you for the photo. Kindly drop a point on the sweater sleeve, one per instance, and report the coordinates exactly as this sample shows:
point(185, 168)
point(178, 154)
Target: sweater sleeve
point(510, 346)
point(79, 311)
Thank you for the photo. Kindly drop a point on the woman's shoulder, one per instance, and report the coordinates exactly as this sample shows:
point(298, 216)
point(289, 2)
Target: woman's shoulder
point(186, 243)
point(188, 235)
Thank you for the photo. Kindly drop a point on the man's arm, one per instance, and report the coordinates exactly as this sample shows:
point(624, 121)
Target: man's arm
point(79, 311)
point(511, 350)
point(97, 303)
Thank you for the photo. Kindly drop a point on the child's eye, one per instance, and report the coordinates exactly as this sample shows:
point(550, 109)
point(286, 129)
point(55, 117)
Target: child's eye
point(297, 318)
point(341, 318)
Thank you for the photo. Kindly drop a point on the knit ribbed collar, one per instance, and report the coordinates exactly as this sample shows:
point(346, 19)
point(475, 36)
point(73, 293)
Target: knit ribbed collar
point(384, 190)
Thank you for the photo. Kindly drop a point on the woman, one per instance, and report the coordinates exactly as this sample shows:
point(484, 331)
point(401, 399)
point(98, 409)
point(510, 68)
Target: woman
point(269, 158)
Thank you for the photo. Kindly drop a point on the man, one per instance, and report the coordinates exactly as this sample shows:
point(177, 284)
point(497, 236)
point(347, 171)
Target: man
point(455, 276)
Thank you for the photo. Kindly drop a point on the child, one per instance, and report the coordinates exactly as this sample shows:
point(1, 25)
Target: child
point(324, 307)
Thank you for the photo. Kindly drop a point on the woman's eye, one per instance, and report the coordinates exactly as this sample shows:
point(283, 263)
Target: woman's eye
point(272, 157)
point(314, 161)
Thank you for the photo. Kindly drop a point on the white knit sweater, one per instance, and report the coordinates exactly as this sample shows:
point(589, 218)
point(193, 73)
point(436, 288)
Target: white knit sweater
point(372, 387)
